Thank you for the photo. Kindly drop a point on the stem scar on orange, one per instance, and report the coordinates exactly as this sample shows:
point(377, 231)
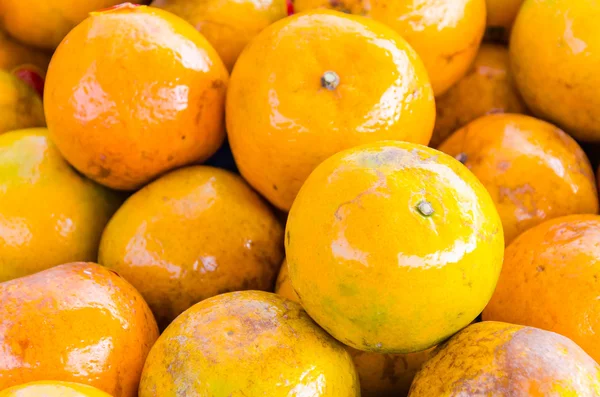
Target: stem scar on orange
point(405, 246)
point(133, 92)
point(316, 83)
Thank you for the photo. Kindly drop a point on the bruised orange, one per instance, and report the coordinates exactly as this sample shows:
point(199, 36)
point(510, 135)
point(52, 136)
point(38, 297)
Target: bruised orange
point(133, 92)
point(557, 72)
point(550, 280)
point(77, 322)
point(192, 234)
point(533, 170)
point(227, 24)
point(20, 106)
point(44, 23)
point(392, 247)
point(445, 34)
point(380, 375)
point(53, 389)
point(499, 359)
point(488, 87)
point(247, 343)
point(49, 214)
point(13, 54)
point(292, 103)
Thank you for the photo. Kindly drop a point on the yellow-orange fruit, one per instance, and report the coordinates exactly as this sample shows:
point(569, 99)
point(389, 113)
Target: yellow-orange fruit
point(20, 106)
point(550, 280)
point(49, 214)
point(557, 75)
point(133, 92)
point(392, 247)
point(488, 87)
point(228, 25)
point(53, 389)
point(499, 359)
point(247, 343)
point(77, 322)
point(192, 234)
point(292, 103)
point(533, 170)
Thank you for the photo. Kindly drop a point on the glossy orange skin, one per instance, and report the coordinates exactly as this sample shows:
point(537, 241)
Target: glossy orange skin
point(192, 234)
point(13, 54)
point(368, 287)
point(20, 105)
point(53, 389)
point(282, 122)
point(499, 359)
point(558, 75)
point(549, 281)
point(247, 343)
point(49, 214)
point(445, 33)
point(132, 93)
point(77, 322)
point(533, 170)
point(488, 87)
point(227, 24)
point(380, 375)
point(45, 23)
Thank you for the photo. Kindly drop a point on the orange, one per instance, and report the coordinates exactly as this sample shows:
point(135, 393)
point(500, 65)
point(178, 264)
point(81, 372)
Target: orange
point(227, 24)
point(13, 54)
point(20, 105)
point(532, 170)
point(392, 247)
point(192, 234)
point(500, 17)
point(44, 23)
point(132, 93)
point(558, 75)
point(499, 359)
point(445, 33)
point(488, 87)
point(77, 322)
point(549, 280)
point(49, 214)
point(380, 375)
point(53, 389)
point(247, 344)
point(292, 103)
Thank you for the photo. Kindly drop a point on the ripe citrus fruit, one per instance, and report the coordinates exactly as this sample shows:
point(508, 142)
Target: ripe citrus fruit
point(380, 375)
point(405, 246)
point(498, 359)
point(227, 24)
point(192, 234)
point(53, 389)
point(488, 87)
point(44, 23)
point(133, 92)
point(77, 322)
point(557, 75)
point(533, 170)
point(247, 343)
point(292, 103)
point(550, 280)
point(13, 54)
point(445, 34)
point(49, 214)
point(20, 105)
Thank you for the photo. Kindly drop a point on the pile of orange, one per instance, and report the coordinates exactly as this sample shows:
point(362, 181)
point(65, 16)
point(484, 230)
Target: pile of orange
point(324, 198)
